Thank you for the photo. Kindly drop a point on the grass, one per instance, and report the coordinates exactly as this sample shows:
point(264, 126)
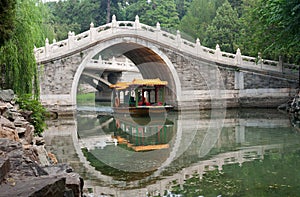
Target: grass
point(88, 98)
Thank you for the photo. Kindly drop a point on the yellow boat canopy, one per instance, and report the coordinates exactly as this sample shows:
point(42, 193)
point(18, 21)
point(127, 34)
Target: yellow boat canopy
point(140, 82)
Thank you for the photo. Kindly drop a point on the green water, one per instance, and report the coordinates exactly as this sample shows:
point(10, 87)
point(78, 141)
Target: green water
point(253, 152)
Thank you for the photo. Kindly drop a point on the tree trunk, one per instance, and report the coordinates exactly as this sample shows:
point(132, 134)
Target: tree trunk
point(108, 12)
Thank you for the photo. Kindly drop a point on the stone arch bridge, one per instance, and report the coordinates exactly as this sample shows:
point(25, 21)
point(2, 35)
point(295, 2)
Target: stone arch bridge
point(196, 75)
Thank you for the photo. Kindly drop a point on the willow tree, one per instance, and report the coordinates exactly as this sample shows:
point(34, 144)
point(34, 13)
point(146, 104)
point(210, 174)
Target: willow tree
point(7, 18)
point(17, 59)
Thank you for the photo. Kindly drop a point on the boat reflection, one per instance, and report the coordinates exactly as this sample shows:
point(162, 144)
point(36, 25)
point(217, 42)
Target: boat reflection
point(143, 133)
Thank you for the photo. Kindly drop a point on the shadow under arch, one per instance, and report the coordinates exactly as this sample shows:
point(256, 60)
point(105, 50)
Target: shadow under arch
point(151, 62)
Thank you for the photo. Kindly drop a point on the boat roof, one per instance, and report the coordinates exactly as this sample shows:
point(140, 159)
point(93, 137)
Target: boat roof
point(139, 82)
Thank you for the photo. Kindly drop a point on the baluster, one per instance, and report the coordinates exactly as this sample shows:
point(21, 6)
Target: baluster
point(71, 39)
point(238, 58)
point(198, 47)
point(47, 48)
point(92, 31)
point(137, 24)
point(218, 54)
point(178, 39)
point(114, 23)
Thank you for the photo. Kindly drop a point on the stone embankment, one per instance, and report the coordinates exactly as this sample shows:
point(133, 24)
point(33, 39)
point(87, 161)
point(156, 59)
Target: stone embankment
point(26, 168)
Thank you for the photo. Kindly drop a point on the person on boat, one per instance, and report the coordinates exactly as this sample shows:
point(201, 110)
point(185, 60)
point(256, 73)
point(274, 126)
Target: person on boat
point(144, 102)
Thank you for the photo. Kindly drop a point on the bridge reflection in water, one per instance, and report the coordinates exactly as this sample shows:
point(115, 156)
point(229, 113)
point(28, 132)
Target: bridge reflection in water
point(121, 156)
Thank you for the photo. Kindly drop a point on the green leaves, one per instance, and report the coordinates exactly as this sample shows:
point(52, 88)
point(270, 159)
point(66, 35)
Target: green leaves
point(39, 113)
point(7, 22)
point(162, 11)
point(224, 29)
point(17, 58)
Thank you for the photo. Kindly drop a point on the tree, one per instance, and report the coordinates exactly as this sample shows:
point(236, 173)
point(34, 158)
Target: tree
point(182, 7)
point(7, 18)
point(273, 28)
point(224, 29)
point(162, 11)
point(17, 58)
point(198, 17)
point(75, 15)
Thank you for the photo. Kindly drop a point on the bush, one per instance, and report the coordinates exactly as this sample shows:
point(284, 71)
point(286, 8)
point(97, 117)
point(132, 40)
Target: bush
point(39, 113)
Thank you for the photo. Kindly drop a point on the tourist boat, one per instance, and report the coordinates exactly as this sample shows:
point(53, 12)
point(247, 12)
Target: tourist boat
point(141, 97)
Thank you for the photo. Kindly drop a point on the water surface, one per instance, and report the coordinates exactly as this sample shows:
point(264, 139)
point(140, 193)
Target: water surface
point(249, 152)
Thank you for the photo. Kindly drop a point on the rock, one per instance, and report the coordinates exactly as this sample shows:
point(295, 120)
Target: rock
point(21, 131)
point(24, 129)
point(20, 122)
point(9, 133)
point(52, 158)
point(42, 155)
point(39, 141)
point(11, 114)
point(7, 95)
point(3, 107)
point(29, 134)
point(36, 187)
point(26, 114)
point(4, 122)
point(73, 180)
point(75, 183)
point(4, 167)
point(61, 168)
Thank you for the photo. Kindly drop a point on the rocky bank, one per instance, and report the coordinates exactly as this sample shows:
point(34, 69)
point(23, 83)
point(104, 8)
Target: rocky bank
point(26, 168)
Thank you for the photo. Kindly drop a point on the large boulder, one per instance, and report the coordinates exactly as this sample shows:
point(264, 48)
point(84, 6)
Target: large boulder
point(7, 95)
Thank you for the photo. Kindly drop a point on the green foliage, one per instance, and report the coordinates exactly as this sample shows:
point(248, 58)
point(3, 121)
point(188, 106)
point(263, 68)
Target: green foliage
point(162, 11)
point(198, 17)
point(75, 15)
point(7, 22)
point(224, 29)
point(273, 28)
point(39, 113)
point(17, 59)
point(182, 7)
point(85, 99)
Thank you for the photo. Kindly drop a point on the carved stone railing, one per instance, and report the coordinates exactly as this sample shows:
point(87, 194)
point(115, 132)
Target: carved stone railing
point(119, 28)
point(112, 64)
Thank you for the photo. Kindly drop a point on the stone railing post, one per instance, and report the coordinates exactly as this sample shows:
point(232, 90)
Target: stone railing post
point(126, 62)
point(92, 31)
point(71, 39)
point(280, 64)
point(100, 60)
point(238, 58)
point(47, 48)
point(113, 61)
point(178, 39)
point(137, 24)
point(218, 52)
point(114, 23)
point(158, 29)
point(259, 59)
point(198, 46)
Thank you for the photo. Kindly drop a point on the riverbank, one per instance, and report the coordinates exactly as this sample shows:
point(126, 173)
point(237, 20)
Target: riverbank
point(26, 168)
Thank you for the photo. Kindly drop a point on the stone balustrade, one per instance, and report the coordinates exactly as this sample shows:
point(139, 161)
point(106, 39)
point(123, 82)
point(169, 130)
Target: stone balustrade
point(124, 28)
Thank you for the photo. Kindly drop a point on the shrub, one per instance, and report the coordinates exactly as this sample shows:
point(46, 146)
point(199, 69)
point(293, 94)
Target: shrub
point(39, 113)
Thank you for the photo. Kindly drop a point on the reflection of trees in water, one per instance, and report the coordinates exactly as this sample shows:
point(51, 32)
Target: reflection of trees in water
point(119, 175)
point(276, 175)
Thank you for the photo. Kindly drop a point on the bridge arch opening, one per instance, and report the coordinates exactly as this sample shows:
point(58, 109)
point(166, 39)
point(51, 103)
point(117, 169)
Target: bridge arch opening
point(151, 62)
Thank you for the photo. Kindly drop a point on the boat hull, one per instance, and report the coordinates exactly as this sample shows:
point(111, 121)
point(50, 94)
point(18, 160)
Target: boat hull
point(143, 110)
